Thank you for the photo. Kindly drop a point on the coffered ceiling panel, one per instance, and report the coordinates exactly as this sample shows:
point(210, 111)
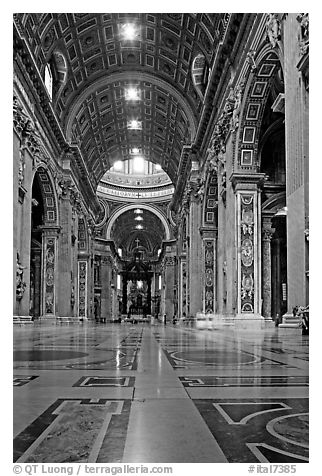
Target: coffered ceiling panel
point(89, 93)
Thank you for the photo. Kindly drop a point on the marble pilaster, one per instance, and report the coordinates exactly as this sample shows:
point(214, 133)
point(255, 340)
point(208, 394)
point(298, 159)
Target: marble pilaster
point(82, 289)
point(65, 259)
point(37, 284)
point(169, 286)
point(106, 295)
point(209, 237)
point(247, 200)
point(195, 258)
point(49, 271)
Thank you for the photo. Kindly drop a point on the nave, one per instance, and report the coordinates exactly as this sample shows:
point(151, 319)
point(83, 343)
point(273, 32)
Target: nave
point(159, 394)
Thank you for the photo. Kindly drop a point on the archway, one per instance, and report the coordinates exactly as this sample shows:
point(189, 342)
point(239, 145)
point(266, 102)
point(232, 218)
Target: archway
point(37, 221)
point(42, 249)
point(149, 208)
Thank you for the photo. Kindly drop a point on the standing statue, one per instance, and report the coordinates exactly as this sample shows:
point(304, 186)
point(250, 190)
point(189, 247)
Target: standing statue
point(273, 29)
point(20, 284)
point(237, 106)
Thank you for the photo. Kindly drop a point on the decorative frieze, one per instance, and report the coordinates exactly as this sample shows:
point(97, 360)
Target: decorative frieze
point(20, 118)
point(209, 263)
point(183, 288)
point(29, 140)
point(248, 255)
point(49, 275)
point(82, 288)
point(170, 260)
point(211, 200)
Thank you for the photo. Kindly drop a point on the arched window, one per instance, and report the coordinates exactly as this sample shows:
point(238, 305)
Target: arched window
point(49, 80)
point(199, 73)
point(55, 74)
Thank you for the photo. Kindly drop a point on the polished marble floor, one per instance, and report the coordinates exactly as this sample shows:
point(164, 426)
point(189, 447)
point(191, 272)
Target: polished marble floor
point(152, 394)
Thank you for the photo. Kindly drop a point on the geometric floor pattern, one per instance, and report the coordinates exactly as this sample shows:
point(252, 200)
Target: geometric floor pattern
point(113, 393)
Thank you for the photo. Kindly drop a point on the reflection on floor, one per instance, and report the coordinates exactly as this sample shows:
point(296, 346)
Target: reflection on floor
point(141, 394)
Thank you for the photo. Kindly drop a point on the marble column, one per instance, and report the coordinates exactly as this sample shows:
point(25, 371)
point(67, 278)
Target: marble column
point(106, 295)
point(276, 285)
point(149, 296)
point(267, 233)
point(182, 279)
point(296, 69)
point(37, 283)
point(124, 295)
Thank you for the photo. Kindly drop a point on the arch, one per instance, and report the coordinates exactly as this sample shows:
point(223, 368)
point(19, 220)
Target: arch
point(273, 204)
point(266, 49)
point(49, 196)
point(103, 216)
point(126, 208)
point(254, 103)
point(270, 130)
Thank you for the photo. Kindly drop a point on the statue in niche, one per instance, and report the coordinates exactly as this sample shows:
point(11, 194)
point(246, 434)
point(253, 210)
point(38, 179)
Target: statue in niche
point(273, 29)
point(237, 106)
point(303, 19)
point(20, 283)
point(21, 168)
point(200, 190)
point(251, 60)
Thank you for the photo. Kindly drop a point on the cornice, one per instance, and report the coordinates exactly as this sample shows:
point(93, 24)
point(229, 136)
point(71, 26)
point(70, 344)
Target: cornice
point(215, 77)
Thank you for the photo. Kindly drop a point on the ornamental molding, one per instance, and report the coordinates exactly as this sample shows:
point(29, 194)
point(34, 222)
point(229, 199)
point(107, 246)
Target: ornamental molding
point(227, 123)
point(66, 189)
point(30, 140)
point(170, 261)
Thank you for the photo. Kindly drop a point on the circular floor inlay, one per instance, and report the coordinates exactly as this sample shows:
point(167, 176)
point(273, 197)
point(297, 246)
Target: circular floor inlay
point(292, 428)
point(31, 355)
point(215, 357)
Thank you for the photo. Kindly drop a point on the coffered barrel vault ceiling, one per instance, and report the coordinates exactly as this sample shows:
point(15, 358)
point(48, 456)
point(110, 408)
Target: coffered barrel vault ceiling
point(125, 233)
point(95, 65)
